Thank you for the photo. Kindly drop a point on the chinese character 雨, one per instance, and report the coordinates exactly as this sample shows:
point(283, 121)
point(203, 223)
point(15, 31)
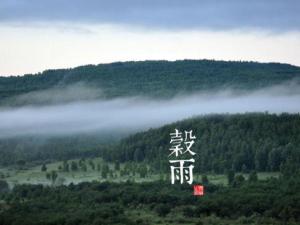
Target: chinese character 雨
point(181, 172)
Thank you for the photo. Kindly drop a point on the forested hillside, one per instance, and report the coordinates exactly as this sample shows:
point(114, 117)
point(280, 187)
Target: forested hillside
point(242, 142)
point(226, 144)
point(153, 78)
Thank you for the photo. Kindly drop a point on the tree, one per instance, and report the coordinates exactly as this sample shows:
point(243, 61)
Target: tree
point(99, 167)
point(261, 159)
point(21, 163)
point(162, 209)
point(205, 180)
point(244, 169)
point(48, 176)
point(143, 170)
point(92, 164)
point(3, 186)
point(274, 159)
point(53, 176)
point(65, 166)
point(104, 171)
point(253, 176)
point(117, 165)
point(138, 155)
point(83, 167)
point(44, 168)
point(238, 180)
point(74, 166)
point(230, 177)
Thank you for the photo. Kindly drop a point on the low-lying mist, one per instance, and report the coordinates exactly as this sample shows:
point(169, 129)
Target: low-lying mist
point(139, 113)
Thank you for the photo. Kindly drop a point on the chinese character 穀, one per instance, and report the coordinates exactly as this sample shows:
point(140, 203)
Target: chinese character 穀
point(182, 172)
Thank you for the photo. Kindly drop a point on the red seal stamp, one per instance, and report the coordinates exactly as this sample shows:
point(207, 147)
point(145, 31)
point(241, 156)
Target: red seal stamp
point(198, 190)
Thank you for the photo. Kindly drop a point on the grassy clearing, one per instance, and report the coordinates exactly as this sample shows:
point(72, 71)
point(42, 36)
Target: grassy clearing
point(34, 175)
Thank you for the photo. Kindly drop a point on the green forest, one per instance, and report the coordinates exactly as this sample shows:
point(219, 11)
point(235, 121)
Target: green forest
point(239, 146)
point(242, 142)
point(275, 201)
point(249, 163)
point(160, 79)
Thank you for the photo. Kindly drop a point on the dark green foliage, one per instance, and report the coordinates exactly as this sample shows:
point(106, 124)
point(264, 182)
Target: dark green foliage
point(205, 180)
point(104, 171)
point(242, 142)
point(92, 164)
point(159, 79)
point(238, 180)
point(3, 186)
point(230, 177)
point(41, 148)
point(83, 167)
point(153, 78)
point(98, 167)
point(108, 203)
point(255, 141)
point(66, 166)
point(275, 159)
point(142, 170)
point(74, 166)
point(21, 163)
point(53, 176)
point(163, 209)
point(117, 165)
point(44, 168)
point(253, 176)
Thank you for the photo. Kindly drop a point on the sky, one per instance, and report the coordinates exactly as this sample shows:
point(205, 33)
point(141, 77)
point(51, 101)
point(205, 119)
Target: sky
point(38, 35)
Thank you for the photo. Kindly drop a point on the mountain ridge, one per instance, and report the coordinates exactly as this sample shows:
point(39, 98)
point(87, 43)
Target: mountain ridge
point(154, 78)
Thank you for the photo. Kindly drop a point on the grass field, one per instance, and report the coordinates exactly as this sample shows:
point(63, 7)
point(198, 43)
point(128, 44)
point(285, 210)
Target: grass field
point(34, 175)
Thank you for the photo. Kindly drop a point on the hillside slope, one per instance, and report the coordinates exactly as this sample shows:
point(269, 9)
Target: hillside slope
point(154, 78)
point(253, 141)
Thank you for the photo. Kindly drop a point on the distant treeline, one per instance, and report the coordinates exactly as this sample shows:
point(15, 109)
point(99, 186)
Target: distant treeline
point(153, 78)
point(240, 142)
point(22, 151)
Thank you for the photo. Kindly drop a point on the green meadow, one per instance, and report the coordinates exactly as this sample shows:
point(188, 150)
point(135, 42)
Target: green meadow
point(35, 175)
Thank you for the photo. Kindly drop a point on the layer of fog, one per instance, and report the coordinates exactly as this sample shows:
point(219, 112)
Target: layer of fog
point(137, 113)
point(57, 95)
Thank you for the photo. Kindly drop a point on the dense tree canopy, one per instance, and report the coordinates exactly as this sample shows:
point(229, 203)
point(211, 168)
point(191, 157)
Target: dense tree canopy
point(274, 201)
point(153, 78)
point(242, 142)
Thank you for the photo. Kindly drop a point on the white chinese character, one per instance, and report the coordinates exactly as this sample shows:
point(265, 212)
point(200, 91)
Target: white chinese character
point(176, 137)
point(181, 172)
point(189, 141)
point(189, 136)
point(176, 140)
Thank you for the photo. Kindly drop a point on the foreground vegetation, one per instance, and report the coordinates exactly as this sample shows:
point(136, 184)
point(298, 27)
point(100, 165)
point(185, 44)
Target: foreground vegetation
point(273, 201)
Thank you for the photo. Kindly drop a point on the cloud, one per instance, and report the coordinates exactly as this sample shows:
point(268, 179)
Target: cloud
point(128, 115)
point(58, 95)
point(176, 14)
point(34, 49)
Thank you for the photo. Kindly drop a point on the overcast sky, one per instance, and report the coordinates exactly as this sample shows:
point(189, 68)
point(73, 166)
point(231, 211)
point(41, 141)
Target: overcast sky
point(36, 35)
